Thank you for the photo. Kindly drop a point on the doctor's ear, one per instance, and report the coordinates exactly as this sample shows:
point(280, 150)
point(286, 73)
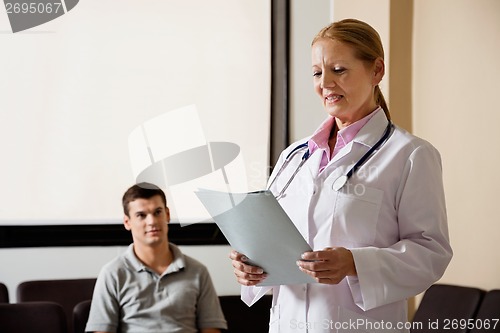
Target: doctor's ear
point(378, 71)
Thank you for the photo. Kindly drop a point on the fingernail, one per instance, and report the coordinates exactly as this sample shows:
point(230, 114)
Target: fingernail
point(260, 271)
point(244, 258)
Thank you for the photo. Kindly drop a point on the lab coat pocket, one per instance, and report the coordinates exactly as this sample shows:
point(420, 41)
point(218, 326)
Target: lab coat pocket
point(356, 214)
point(274, 320)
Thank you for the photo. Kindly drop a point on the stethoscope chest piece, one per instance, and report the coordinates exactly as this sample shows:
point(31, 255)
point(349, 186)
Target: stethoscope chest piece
point(339, 182)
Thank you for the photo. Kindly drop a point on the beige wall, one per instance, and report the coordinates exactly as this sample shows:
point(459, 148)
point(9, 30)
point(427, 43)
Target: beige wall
point(456, 72)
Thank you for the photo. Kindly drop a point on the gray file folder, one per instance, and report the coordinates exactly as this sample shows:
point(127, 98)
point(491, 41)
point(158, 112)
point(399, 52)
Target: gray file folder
point(256, 225)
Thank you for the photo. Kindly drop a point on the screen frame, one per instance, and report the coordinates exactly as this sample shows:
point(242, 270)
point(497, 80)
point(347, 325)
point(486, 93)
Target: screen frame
point(62, 235)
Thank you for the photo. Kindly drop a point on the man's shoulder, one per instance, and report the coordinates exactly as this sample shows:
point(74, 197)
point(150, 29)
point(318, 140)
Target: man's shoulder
point(117, 266)
point(194, 263)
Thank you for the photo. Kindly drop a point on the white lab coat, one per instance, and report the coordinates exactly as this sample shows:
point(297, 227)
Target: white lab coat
point(391, 214)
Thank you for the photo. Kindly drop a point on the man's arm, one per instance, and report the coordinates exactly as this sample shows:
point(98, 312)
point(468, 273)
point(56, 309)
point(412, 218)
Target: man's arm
point(104, 308)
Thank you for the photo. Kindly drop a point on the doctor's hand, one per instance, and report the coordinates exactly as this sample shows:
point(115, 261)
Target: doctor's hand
point(329, 266)
point(247, 275)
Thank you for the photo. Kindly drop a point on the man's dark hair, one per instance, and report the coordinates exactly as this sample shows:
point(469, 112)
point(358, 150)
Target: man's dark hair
point(141, 191)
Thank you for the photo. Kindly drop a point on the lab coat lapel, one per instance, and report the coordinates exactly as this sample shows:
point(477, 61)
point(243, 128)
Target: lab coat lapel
point(362, 142)
point(343, 152)
point(374, 129)
point(312, 165)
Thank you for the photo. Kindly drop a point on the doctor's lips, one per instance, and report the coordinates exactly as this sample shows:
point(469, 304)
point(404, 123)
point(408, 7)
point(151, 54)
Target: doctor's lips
point(333, 98)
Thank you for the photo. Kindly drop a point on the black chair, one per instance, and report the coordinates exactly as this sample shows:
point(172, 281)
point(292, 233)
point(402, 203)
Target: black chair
point(243, 319)
point(33, 317)
point(67, 293)
point(488, 315)
point(80, 316)
point(4, 293)
point(443, 306)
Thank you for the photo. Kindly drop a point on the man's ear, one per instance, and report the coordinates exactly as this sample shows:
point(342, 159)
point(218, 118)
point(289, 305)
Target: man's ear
point(379, 71)
point(126, 222)
point(167, 212)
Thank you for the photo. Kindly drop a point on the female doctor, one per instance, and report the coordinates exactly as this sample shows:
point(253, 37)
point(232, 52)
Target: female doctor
point(366, 195)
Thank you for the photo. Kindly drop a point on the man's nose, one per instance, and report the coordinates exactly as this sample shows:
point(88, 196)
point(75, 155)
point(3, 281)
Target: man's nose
point(150, 219)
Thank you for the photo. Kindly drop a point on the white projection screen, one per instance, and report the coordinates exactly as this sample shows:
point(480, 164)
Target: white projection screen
point(73, 90)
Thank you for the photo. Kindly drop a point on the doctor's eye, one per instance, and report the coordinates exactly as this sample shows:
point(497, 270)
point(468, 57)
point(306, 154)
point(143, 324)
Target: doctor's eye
point(339, 70)
point(317, 74)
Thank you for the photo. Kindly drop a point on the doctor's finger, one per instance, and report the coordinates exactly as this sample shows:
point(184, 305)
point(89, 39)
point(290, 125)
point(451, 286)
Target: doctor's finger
point(235, 255)
point(326, 254)
point(248, 279)
point(238, 265)
point(316, 266)
point(328, 277)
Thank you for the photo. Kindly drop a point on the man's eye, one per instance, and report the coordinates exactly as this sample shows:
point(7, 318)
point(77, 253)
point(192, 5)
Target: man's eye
point(316, 74)
point(339, 70)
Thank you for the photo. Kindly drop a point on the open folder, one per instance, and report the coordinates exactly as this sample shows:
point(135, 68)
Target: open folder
point(256, 225)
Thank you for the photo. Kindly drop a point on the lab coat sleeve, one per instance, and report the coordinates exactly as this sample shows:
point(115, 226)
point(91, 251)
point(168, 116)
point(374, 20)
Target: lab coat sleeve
point(420, 257)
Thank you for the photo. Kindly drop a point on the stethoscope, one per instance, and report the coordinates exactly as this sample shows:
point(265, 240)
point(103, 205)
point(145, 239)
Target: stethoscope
point(339, 183)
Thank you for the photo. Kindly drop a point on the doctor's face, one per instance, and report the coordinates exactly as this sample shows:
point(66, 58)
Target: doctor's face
point(344, 83)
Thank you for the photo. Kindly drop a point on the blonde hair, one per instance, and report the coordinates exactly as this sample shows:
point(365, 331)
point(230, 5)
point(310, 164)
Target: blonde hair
point(365, 41)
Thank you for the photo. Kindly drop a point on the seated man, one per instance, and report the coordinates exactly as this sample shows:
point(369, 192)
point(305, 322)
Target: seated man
point(153, 287)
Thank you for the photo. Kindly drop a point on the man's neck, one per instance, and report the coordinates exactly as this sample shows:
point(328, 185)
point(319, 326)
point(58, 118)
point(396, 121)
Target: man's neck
point(158, 257)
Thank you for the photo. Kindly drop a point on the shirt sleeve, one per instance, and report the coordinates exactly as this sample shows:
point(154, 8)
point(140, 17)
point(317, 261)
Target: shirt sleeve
point(420, 257)
point(104, 309)
point(209, 313)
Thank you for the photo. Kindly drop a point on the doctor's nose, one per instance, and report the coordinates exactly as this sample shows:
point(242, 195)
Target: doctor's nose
point(327, 80)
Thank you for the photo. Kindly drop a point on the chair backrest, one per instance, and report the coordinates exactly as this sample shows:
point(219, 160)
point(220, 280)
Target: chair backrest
point(67, 293)
point(32, 317)
point(488, 315)
point(445, 305)
point(4, 293)
point(243, 319)
point(81, 316)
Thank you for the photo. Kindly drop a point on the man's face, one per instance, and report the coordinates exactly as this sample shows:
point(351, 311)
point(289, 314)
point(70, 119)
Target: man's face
point(148, 221)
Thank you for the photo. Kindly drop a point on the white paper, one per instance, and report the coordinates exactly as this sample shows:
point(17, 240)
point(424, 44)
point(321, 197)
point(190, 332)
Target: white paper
point(257, 226)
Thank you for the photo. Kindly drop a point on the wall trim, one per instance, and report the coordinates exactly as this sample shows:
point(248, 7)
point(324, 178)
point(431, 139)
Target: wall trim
point(102, 235)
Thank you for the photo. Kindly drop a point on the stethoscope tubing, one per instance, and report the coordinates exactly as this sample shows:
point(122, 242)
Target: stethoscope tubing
point(339, 182)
